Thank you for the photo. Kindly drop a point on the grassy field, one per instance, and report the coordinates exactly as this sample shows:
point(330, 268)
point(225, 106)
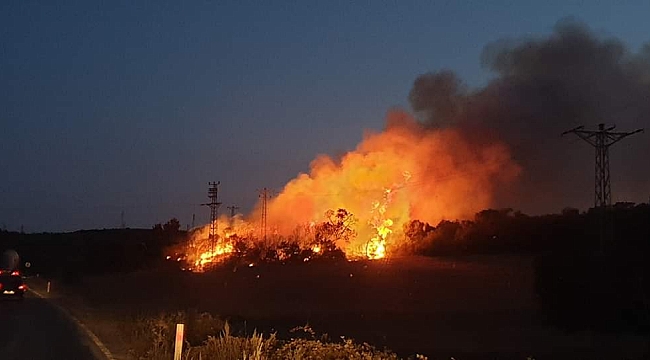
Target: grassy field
point(473, 307)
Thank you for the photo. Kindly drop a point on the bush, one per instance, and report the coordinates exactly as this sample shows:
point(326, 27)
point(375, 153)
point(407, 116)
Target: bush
point(154, 340)
point(153, 337)
point(228, 347)
point(300, 349)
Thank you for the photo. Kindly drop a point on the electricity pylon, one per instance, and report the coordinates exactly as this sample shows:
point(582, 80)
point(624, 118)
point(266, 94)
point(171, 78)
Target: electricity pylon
point(213, 195)
point(601, 140)
point(232, 209)
point(264, 194)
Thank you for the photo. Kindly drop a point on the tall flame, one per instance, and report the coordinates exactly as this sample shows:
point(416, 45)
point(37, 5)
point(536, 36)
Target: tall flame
point(376, 247)
point(403, 173)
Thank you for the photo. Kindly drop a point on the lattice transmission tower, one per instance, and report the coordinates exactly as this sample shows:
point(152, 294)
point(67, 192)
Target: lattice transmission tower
point(601, 140)
point(264, 195)
point(213, 195)
point(233, 209)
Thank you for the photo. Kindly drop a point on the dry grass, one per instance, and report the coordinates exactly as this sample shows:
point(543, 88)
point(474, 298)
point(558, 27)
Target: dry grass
point(153, 339)
point(228, 347)
point(300, 349)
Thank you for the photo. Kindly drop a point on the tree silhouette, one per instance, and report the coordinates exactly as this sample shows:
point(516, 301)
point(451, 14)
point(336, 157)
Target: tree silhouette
point(337, 228)
point(172, 226)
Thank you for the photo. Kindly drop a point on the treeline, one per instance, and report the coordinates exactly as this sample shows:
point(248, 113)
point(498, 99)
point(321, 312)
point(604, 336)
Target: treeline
point(508, 231)
point(70, 255)
point(592, 269)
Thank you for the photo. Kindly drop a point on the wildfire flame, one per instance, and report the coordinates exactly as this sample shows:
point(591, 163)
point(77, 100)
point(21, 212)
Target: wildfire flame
point(212, 255)
point(403, 173)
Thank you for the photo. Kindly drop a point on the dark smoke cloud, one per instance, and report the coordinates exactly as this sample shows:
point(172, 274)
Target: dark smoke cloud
point(542, 87)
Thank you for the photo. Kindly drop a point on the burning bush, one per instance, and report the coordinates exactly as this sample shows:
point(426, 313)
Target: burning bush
point(406, 172)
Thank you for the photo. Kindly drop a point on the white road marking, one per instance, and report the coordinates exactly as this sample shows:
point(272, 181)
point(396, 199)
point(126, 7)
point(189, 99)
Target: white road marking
point(107, 354)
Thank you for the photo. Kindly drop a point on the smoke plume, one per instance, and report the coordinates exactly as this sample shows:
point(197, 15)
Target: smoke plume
point(542, 87)
point(470, 145)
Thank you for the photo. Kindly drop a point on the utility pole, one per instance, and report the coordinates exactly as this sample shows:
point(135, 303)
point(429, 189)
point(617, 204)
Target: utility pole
point(601, 140)
point(122, 223)
point(193, 218)
point(213, 195)
point(232, 209)
point(264, 195)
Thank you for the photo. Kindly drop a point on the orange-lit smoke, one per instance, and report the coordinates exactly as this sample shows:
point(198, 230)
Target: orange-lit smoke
point(404, 173)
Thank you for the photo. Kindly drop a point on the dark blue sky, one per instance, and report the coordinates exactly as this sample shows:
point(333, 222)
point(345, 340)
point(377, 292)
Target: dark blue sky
point(134, 106)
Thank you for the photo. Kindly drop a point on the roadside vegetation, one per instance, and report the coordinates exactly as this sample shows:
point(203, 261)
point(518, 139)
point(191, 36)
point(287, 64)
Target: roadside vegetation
point(211, 338)
point(135, 314)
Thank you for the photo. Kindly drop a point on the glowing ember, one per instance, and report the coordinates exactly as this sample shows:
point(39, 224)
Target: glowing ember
point(316, 249)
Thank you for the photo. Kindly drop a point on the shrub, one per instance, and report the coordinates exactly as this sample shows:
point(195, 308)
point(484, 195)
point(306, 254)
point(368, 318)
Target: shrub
point(228, 347)
point(302, 349)
point(153, 339)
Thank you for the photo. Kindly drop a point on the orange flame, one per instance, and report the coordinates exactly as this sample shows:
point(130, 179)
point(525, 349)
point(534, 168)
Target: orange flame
point(203, 252)
point(403, 173)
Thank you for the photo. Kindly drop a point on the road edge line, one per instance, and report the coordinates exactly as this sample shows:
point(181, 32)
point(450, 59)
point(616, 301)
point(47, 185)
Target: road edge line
point(98, 343)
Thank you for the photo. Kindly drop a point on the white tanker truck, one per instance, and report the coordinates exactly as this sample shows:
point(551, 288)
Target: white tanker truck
point(10, 261)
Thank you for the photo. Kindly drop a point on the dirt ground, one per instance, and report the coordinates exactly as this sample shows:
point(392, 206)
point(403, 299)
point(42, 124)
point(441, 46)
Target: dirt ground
point(473, 307)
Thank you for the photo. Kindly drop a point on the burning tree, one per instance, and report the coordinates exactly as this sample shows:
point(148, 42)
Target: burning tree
point(335, 232)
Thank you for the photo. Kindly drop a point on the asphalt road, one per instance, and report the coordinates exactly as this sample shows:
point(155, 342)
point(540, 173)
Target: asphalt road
point(34, 330)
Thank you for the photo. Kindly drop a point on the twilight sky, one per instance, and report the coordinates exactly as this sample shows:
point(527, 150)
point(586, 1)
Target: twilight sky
point(134, 106)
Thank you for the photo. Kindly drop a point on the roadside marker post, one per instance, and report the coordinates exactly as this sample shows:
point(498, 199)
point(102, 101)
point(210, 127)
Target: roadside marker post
point(178, 346)
point(48, 287)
